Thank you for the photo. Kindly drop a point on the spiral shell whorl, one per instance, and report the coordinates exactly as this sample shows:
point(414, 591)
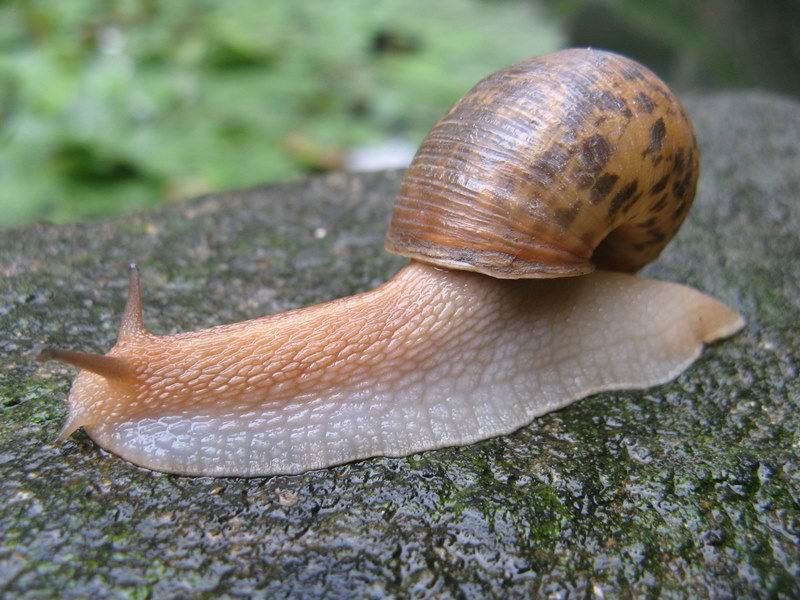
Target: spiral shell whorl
point(548, 168)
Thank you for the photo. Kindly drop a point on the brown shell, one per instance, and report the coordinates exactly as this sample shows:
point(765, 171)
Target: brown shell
point(548, 168)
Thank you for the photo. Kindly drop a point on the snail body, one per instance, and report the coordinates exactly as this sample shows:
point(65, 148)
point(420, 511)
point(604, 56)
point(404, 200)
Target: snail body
point(451, 350)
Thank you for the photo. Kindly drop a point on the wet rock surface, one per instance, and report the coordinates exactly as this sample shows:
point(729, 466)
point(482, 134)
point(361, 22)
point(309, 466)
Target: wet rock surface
point(690, 488)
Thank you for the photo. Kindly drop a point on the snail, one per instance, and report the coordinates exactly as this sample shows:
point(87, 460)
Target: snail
point(525, 212)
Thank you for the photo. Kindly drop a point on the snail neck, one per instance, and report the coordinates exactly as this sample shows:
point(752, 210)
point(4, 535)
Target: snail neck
point(357, 342)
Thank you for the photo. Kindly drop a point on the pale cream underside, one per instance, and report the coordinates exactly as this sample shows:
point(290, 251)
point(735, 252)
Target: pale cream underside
point(441, 359)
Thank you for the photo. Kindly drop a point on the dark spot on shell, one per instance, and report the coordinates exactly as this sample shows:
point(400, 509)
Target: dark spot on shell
point(579, 112)
point(681, 188)
point(570, 136)
point(655, 236)
point(644, 103)
point(657, 133)
point(631, 202)
point(649, 223)
point(622, 197)
point(599, 121)
point(606, 101)
point(584, 180)
point(659, 206)
point(679, 162)
point(659, 185)
point(639, 247)
point(595, 153)
point(549, 164)
point(604, 184)
point(679, 211)
point(565, 216)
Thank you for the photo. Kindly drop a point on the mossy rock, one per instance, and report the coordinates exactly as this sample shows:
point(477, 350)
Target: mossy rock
point(687, 489)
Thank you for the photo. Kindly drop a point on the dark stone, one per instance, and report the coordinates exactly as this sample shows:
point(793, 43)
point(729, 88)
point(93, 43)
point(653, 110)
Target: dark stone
point(686, 489)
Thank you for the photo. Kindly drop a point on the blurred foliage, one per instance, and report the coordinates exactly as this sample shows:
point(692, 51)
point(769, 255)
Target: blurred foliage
point(699, 44)
point(110, 105)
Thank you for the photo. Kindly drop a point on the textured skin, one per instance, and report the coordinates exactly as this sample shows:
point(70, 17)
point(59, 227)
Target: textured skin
point(553, 166)
point(430, 359)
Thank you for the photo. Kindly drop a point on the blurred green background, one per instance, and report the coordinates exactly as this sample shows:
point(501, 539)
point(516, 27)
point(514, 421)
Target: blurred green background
point(107, 106)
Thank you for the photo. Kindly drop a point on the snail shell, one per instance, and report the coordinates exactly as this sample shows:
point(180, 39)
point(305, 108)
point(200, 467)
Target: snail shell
point(552, 167)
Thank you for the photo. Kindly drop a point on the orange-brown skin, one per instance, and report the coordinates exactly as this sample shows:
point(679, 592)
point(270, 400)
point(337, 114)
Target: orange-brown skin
point(342, 343)
point(551, 167)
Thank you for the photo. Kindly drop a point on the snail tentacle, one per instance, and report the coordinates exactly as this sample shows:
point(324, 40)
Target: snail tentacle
point(132, 317)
